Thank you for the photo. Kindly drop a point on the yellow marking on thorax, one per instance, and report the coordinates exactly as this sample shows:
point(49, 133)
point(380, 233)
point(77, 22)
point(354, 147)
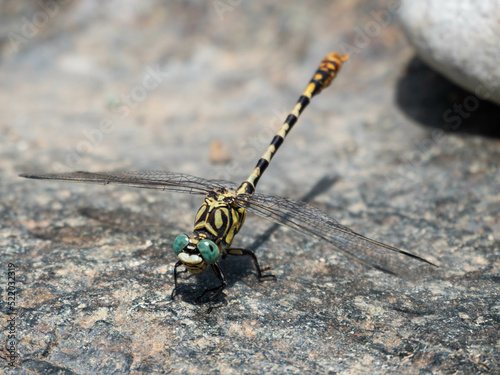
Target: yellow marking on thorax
point(217, 203)
point(201, 211)
point(218, 218)
point(233, 230)
point(238, 216)
point(242, 215)
point(209, 227)
point(230, 235)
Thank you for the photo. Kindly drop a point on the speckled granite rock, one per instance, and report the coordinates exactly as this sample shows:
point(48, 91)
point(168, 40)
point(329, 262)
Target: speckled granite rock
point(458, 39)
point(94, 263)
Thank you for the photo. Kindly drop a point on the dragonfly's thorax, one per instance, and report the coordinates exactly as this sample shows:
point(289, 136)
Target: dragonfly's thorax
point(220, 217)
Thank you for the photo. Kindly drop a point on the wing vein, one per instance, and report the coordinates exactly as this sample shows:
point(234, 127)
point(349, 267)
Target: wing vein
point(156, 180)
point(310, 221)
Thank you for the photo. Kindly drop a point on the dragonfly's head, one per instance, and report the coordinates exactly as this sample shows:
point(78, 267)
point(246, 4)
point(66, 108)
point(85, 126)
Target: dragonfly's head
point(196, 253)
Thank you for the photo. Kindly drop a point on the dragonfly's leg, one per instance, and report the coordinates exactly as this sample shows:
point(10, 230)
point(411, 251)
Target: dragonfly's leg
point(175, 278)
point(239, 252)
point(218, 290)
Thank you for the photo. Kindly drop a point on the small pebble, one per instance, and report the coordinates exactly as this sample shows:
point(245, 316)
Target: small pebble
point(218, 154)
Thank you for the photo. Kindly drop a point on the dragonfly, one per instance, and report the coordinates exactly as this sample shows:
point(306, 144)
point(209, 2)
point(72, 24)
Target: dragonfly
point(223, 212)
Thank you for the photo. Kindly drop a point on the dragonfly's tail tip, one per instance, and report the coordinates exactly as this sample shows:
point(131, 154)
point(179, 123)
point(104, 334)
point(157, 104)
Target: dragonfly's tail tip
point(334, 56)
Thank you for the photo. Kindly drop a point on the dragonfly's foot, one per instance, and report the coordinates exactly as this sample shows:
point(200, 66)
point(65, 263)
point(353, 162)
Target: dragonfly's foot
point(262, 277)
point(217, 292)
point(176, 273)
point(173, 294)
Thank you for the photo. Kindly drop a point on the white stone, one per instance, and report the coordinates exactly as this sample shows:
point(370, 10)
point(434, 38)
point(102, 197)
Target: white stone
point(458, 38)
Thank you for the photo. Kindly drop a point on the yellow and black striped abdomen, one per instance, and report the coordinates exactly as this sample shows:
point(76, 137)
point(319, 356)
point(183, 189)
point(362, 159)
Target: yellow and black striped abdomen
point(220, 218)
point(324, 75)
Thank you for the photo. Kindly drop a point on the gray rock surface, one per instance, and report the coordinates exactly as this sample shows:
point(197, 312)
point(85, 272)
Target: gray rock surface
point(94, 263)
point(459, 39)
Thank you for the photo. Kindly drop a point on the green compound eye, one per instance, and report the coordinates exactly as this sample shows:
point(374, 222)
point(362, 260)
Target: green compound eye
point(180, 243)
point(209, 251)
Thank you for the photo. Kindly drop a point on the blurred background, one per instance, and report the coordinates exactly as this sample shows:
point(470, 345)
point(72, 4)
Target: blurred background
point(146, 84)
point(392, 148)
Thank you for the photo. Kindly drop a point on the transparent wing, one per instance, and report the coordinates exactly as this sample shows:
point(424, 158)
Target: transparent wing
point(312, 222)
point(158, 180)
